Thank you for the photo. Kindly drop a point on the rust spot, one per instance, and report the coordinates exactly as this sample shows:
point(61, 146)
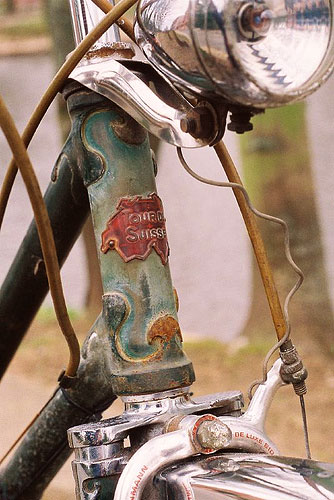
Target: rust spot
point(161, 333)
point(128, 130)
point(116, 50)
point(176, 299)
point(164, 328)
point(174, 423)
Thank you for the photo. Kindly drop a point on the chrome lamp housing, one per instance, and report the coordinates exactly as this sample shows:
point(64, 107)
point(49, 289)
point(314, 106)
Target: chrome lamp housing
point(257, 53)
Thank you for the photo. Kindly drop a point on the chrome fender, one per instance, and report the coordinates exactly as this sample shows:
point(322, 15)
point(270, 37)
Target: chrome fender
point(248, 476)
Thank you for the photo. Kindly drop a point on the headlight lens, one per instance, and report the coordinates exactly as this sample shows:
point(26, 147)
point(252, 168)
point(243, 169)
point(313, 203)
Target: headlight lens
point(256, 53)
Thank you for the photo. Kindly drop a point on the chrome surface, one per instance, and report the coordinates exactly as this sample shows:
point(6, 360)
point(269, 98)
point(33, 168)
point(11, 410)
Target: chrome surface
point(248, 430)
point(223, 403)
point(94, 453)
point(145, 423)
point(251, 477)
point(162, 450)
point(202, 435)
point(114, 81)
point(99, 449)
point(85, 16)
point(262, 399)
point(98, 463)
point(138, 414)
point(143, 398)
point(258, 54)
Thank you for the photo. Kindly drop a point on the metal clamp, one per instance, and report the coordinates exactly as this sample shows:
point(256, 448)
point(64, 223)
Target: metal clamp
point(98, 447)
point(165, 112)
point(189, 435)
point(170, 426)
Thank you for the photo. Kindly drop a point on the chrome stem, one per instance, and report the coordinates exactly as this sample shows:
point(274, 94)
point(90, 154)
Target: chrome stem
point(85, 16)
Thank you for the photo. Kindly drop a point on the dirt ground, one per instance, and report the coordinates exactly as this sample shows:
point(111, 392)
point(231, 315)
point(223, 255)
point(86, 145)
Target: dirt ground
point(40, 358)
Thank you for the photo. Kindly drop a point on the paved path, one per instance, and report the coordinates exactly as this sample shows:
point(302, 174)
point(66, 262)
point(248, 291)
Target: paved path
point(21, 401)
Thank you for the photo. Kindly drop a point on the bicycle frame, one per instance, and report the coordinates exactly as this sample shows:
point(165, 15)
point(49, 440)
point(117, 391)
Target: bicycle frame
point(134, 349)
point(163, 369)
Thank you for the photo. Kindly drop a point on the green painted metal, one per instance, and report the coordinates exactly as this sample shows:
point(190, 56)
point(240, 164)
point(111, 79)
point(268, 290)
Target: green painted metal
point(138, 295)
point(26, 285)
point(139, 309)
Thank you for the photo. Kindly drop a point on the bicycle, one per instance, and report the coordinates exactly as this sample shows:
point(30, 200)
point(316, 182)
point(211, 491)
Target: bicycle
point(137, 337)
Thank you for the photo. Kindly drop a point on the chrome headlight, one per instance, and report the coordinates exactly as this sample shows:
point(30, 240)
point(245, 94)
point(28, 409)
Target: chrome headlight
point(255, 53)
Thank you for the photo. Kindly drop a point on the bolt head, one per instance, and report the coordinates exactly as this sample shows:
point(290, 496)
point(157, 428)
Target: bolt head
point(213, 434)
point(188, 125)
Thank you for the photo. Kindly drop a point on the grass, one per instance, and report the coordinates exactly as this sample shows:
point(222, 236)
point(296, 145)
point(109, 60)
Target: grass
point(218, 367)
point(46, 315)
point(23, 25)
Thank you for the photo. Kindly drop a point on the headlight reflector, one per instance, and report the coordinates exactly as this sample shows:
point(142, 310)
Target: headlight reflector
point(255, 53)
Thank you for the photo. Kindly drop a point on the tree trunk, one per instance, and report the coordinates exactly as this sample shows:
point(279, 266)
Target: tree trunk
point(10, 6)
point(278, 176)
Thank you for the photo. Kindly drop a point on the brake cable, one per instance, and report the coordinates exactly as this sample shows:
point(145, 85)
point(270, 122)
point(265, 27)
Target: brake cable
point(55, 86)
point(123, 23)
point(258, 243)
point(280, 318)
point(45, 233)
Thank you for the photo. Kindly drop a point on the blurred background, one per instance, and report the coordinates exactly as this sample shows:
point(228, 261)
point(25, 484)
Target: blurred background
point(286, 163)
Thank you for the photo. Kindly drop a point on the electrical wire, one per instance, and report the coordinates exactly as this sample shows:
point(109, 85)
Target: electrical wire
point(55, 86)
point(282, 223)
